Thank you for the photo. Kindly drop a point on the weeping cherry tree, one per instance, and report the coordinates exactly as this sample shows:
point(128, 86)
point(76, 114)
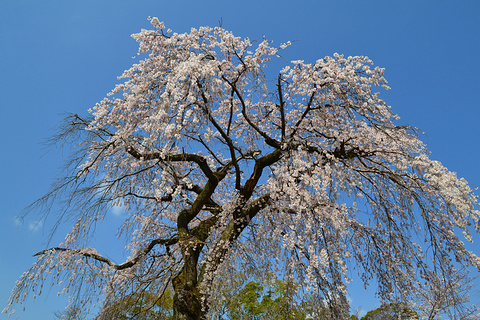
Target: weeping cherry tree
point(221, 164)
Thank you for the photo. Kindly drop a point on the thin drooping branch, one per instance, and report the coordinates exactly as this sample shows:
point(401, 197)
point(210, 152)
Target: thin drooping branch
point(200, 140)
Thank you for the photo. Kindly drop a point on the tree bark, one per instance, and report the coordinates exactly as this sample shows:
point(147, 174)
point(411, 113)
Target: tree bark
point(187, 299)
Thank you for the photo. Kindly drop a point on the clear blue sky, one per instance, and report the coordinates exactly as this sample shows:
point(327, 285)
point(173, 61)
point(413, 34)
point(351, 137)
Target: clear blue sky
point(64, 56)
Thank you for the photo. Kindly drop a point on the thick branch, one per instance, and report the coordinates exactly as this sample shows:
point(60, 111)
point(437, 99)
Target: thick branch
point(233, 230)
point(87, 253)
point(225, 136)
point(260, 164)
point(282, 105)
point(340, 153)
point(201, 161)
point(270, 141)
point(230, 118)
point(204, 195)
point(203, 198)
point(166, 198)
point(307, 110)
point(241, 215)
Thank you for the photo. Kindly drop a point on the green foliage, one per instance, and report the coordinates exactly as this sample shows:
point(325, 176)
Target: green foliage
point(269, 300)
point(391, 311)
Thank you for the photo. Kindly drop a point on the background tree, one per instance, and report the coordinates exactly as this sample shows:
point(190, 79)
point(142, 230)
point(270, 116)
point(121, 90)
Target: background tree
point(391, 311)
point(220, 166)
point(271, 298)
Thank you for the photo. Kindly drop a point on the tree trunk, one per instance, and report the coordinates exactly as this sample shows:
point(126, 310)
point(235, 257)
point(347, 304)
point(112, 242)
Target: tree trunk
point(187, 299)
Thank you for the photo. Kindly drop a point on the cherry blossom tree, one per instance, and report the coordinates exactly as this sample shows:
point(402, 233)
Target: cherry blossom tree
point(222, 164)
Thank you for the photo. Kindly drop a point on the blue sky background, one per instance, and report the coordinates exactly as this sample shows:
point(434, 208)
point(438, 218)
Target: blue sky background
point(64, 56)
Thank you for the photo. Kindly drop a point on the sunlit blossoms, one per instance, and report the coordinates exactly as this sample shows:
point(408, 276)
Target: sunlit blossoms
point(223, 164)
